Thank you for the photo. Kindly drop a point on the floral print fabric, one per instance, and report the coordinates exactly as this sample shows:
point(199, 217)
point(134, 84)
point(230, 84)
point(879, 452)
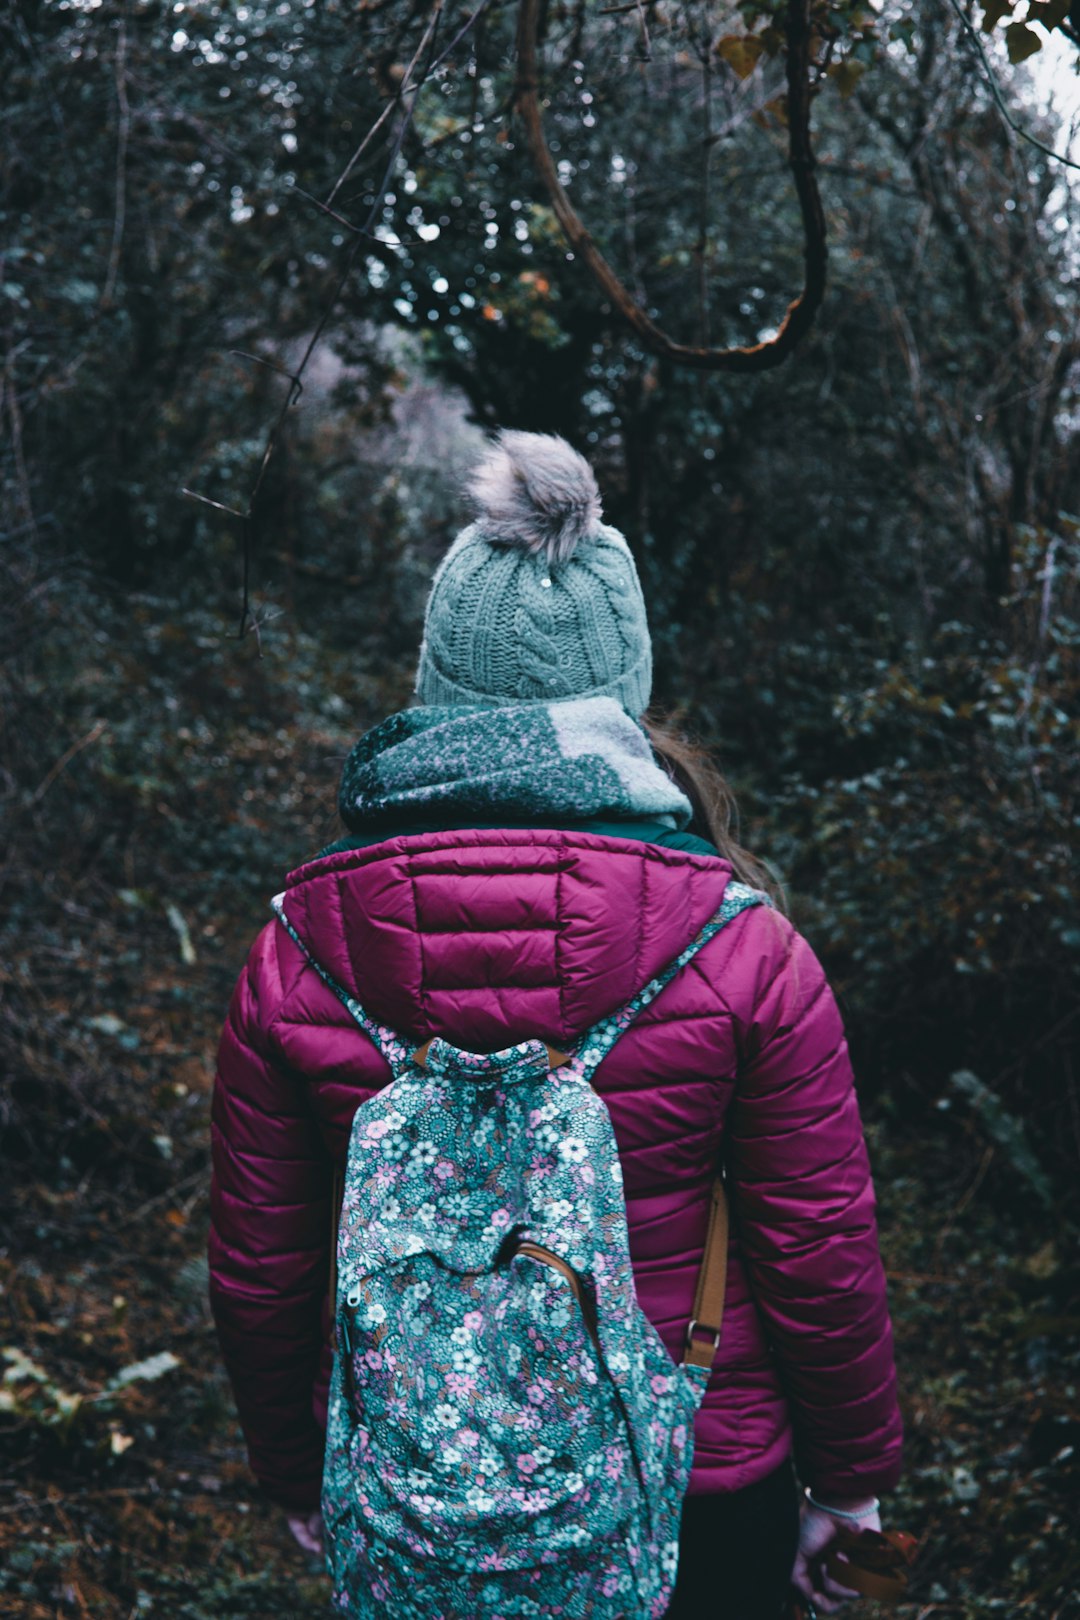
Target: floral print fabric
point(507, 1434)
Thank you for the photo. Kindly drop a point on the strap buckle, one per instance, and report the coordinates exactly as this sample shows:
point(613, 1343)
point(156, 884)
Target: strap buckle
point(694, 1349)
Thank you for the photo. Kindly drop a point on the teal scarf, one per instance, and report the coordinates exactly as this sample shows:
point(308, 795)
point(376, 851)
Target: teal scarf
point(572, 758)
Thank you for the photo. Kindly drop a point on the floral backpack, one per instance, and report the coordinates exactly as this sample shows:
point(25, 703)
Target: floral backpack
point(507, 1434)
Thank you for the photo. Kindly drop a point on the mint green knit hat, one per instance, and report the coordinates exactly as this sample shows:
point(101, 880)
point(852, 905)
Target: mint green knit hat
point(537, 598)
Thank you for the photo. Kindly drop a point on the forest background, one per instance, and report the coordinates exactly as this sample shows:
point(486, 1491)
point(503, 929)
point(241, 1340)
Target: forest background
point(861, 573)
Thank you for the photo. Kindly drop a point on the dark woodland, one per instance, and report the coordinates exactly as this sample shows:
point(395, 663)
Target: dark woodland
point(268, 273)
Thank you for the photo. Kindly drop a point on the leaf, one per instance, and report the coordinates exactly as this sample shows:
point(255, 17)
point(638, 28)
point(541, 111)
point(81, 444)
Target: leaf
point(846, 75)
point(78, 292)
point(993, 11)
point(776, 109)
point(1050, 13)
point(1021, 42)
point(182, 932)
point(1044, 1262)
point(20, 1368)
point(740, 52)
point(107, 1024)
point(119, 1443)
point(965, 1487)
point(145, 1371)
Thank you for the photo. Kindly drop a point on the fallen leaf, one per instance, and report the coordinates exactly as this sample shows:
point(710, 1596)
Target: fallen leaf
point(145, 1371)
point(183, 934)
point(1021, 42)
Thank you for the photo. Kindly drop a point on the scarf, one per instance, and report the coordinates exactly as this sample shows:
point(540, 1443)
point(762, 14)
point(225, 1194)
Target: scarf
point(572, 758)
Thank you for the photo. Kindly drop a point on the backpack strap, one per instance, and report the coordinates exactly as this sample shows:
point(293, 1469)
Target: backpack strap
point(397, 1052)
point(588, 1052)
point(337, 1198)
point(708, 1314)
point(703, 1331)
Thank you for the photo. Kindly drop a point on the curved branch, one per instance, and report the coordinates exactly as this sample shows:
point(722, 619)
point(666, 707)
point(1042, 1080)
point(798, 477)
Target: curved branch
point(800, 313)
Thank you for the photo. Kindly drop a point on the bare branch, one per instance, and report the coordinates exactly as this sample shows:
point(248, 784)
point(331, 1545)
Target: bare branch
point(995, 91)
point(123, 127)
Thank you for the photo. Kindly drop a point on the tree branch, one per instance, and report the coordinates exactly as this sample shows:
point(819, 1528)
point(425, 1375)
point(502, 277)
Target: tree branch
point(800, 313)
point(123, 127)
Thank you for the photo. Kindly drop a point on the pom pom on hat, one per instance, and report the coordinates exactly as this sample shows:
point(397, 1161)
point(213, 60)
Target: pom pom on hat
point(533, 490)
point(537, 599)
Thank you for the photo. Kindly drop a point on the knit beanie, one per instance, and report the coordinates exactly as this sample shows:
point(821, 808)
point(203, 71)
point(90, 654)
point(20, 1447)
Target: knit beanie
point(537, 598)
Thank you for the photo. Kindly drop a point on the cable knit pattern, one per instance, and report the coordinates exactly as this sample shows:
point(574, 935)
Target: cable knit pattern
point(503, 625)
point(488, 937)
point(607, 564)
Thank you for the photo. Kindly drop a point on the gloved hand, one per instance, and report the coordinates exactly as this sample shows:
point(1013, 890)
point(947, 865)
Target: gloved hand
point(307, 1531)
point(817, 1529)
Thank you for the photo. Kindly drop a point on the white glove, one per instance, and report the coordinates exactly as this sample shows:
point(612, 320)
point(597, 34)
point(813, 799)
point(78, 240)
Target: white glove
point(817, 1529)
point(307, 1531)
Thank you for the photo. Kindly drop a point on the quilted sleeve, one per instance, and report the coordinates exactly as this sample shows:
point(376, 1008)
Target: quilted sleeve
point(806, 1211)
point(269, 1239)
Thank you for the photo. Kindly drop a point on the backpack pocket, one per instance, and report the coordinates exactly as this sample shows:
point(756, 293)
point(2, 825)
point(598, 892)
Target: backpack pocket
point(583, 1296)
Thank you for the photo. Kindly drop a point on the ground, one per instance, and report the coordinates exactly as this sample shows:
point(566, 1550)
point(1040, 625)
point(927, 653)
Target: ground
point(125, 1490)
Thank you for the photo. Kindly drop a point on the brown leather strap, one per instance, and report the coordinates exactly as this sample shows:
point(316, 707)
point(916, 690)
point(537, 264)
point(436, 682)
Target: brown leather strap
point(703, 1334)
point(337, 1194)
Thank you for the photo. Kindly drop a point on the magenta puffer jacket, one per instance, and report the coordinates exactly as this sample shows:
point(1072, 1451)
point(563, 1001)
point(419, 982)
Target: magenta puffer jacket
point(488, 937)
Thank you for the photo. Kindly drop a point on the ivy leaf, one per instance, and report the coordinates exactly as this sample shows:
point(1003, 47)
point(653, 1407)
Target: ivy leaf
point(741, 52)
point(846, 75)
point(1051, 13)
point(1021, 42)
point(993, 11)
point(776, 109)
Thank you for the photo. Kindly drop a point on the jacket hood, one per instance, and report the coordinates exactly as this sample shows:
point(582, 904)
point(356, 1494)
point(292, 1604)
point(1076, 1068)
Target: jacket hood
point(491, 936)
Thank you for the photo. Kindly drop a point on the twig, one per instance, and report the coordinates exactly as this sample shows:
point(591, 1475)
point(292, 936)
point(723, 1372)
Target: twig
point(9, 396)
point(963, 1202)
point(995, 90)
point(800, 313)
point(362, 234)
point(362, 148)
point(65, 759)
point(123, 126)
point(702, 249)
point(169, 1194)
point(28, 1505)
point(919, 1277)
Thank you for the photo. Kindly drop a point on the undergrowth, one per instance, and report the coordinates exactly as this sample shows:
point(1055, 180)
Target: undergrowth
point(136, 871)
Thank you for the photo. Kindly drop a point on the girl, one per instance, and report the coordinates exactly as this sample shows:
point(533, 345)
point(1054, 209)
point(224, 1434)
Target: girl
point(518, 861)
